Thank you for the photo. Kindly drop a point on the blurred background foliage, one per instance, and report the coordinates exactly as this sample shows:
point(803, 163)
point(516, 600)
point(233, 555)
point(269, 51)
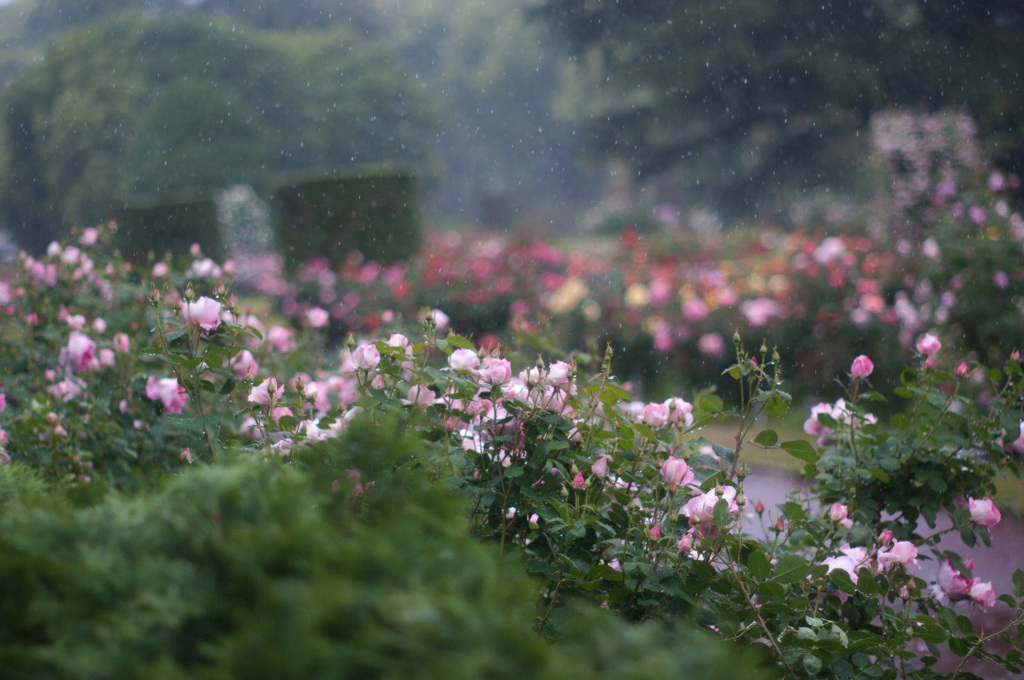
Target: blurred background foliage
point(516, 113)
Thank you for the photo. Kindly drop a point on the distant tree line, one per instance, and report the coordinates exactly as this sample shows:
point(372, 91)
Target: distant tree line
point(751, 95)
point(137, 105)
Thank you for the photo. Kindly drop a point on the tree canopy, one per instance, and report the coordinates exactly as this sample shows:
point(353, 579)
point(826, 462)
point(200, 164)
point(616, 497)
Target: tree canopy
point(746, 93)
point(141, 105)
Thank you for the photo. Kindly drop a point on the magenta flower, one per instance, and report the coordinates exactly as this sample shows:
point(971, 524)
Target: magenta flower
point(204, 312)
point(862, 367)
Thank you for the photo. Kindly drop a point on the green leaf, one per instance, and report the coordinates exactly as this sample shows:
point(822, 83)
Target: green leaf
point(710, 403)
point(1018, 583)
point(812, 664)
point(767, 438)
point(793, 511)
point(791, 569)
point(460, 342)
point(802, 449)
point(757, 563)
point(866, 583)
point(879, 475)
point(842, 580)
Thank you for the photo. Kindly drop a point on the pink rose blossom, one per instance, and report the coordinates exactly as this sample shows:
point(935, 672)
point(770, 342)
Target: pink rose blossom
point(244, 365)
point(902, 554)
point(983, 593)
point(850, 561)
point(80, 352)
point(679, 411)
point(106, 357)
point(654, 532)
point(675, 471)
point(121, 342)
point(600, 466)
point(655, 415)
point(317, 317)
point(685, 542)
point(862, 367)
point(952, 583)
point(282, 339)
point(168, 392)
point(366, 357)
point(160, 270)
point(578, 481)
point(266, 393)
point(1018, 443)
point(928, 345)
point(984, 512)
point(559, 375)
point(496, 371)
point(204, 312)
point(464, 360)
point(420, 396)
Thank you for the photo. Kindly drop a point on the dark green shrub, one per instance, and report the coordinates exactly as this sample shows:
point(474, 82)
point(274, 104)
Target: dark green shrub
point(169, 224)
point(258, 569)
point(374, 211)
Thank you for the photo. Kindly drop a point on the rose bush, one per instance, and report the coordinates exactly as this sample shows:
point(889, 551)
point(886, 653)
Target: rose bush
point(602, 495)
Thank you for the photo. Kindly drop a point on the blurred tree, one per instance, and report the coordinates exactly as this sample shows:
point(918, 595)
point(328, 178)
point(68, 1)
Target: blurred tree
point(145, 105)
point(747, 95)
point(503, 150)
point(48, 17)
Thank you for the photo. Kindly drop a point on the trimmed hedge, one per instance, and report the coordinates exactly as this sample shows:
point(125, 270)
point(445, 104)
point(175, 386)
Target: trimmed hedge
point(375, 211)
point(170, 223)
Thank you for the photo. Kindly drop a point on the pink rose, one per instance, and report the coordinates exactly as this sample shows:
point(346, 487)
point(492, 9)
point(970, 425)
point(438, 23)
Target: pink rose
point(266, 393)
point(984, 512)
point(282, 339)
point(578, 481)
point(121, 342)
point(317, 317)
point(655, 415)
point(559, 375)
point(600, 466)
point(1018, 443)
point(496, 371)
point(80, 352)
point(928, 344)
point(679, 411)
point(862, 367)
point(244, 365)
point(954, 584)
point(168, 392)
point(204, 312)
point(983, 593)
point(675, 471)
point(902, 554)
point(685, 542)
point(850, 561)
point(366, 356)
point(464, 360)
